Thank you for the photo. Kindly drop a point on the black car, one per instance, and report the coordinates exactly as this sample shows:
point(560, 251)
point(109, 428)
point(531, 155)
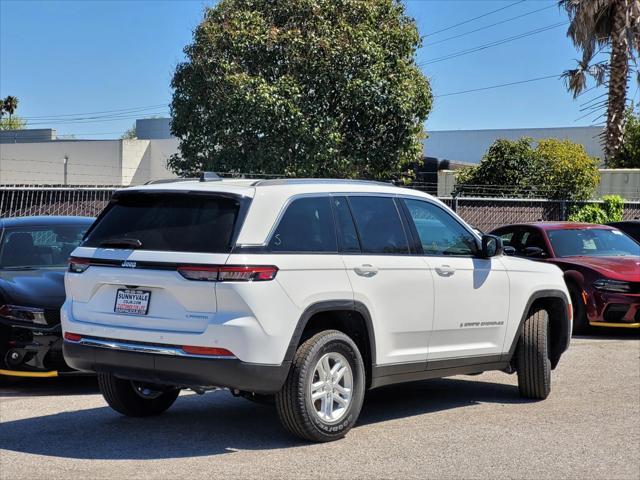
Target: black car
point(33, 259)
point(630, 227)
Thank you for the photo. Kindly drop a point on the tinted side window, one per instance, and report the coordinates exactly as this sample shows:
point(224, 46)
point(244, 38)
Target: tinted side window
point(306, 226)
point(379, 225)
point(439, 232)
point(347, 234)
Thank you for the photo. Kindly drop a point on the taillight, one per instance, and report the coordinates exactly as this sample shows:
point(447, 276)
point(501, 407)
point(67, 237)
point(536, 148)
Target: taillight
point(203, 274)
point(211, 351)
point(234, 273)
point(247, 273)
point(78, 265)
point(72, 337)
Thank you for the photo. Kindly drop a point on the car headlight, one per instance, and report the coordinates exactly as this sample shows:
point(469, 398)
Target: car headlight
point(23, 314)
point(612, 285)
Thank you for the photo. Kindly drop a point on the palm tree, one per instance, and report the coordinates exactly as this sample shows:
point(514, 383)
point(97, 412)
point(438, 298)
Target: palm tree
point(10, 105)
point(595, 25)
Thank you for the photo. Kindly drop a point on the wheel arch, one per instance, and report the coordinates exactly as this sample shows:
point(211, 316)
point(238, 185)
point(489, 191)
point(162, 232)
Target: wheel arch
point(557, 305)
point(337, 314)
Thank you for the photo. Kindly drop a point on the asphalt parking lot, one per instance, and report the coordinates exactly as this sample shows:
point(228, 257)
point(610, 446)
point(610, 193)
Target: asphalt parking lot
point(462, 427)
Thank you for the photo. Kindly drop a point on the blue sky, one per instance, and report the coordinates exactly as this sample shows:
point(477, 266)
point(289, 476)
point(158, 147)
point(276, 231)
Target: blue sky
point(74, 57)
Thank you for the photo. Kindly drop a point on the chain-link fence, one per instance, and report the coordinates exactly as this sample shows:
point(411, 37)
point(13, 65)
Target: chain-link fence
point(22, 201)
point(483, 213)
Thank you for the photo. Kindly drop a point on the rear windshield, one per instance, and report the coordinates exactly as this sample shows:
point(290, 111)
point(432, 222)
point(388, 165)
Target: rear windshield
point(167, 222)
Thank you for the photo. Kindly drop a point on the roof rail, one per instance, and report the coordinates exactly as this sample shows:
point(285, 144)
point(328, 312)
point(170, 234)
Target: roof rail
point(169, 180)
point(302, 181)
point(210, 177)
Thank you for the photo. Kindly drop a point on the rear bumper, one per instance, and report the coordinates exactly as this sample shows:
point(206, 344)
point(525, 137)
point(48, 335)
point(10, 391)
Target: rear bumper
point(183, 371)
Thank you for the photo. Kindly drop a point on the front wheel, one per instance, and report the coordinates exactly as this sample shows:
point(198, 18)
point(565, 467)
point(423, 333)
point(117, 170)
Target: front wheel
point(134, 399)
point(580, 323)
point(323, 394)
point(534, 366)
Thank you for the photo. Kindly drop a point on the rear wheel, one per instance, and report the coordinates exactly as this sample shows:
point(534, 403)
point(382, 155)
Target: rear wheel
point(580, 323)
point(135, 399)
point(534, 366)
point(322, 396)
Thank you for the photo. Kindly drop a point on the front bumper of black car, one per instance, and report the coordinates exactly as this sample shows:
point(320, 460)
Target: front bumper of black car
point(29, 350)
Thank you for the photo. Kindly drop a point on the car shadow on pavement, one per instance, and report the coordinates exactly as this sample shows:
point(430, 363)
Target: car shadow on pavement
point(45, 387)
point(216, 423)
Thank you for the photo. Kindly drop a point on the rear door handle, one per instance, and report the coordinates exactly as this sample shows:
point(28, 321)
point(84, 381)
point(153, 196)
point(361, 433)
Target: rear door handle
point(445, 270)
point(366, 270)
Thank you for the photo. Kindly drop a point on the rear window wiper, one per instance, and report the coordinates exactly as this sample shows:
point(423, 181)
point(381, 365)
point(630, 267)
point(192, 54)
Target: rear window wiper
point(121, 242)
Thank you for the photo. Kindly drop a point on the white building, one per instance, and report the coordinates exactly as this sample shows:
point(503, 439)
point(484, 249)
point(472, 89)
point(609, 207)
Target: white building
point(470, 145)
point(38, 157)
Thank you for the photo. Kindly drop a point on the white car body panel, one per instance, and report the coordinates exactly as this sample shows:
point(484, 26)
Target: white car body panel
point(415, 312)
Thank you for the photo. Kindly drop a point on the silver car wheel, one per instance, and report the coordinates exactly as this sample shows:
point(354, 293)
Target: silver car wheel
point(331, 387)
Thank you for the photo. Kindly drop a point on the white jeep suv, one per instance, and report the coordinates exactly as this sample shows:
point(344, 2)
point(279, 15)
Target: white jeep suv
point(308, 292)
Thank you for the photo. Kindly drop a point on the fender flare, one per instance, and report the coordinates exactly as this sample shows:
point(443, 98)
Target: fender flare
point(565, 326)
point(331, 306)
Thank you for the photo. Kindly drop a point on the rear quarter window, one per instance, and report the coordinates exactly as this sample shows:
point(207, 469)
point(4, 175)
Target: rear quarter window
point(306, 226)
point(169, 222)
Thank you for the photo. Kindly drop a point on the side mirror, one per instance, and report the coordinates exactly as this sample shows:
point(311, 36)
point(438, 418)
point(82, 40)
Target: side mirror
point(508, 250)
point(491, 246)
point(533, 252)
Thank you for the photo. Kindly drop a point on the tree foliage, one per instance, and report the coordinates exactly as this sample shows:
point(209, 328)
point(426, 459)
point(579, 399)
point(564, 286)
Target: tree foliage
point(12, 123)
point(558, 169)
point(130, 134)
point(629, 155)
point(596, 25)
point(610, 210)
point(302, 88)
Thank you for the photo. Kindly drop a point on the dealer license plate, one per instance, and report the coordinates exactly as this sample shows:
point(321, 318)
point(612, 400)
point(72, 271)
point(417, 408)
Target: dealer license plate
point(132, 302)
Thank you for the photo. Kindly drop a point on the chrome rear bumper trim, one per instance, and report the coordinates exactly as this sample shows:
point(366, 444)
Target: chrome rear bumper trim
point(143, 348)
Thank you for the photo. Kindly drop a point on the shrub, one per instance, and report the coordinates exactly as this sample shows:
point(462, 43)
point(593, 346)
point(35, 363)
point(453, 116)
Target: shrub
point(568, 172)
point(610, 210)
point(557, 169)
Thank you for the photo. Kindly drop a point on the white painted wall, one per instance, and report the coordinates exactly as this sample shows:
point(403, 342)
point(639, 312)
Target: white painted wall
point(470, 145)
point(90, 162)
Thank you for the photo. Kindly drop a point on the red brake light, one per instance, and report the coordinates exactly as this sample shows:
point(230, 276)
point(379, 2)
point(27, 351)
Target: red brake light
point(247, 273)
point(72, 337)
point(233, 273)
point(78, 265)
point(203, 274)
point(217, 352)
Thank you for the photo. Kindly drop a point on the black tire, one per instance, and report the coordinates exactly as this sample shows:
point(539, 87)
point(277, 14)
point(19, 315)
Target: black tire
point(534, 366)
point(121, 395)
point(580, 323)
point(295, 408)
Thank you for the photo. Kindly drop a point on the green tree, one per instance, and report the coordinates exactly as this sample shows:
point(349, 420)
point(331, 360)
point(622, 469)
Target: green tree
point(594, 26)
point(629, 155)
point(302, 88)
point(130, 134)
point(12, 123)
point(568, 172)
point(557, 169)
point(10, 105)
point(509, 168)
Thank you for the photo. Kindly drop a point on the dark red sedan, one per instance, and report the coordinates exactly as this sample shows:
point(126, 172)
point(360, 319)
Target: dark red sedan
point(601, 265)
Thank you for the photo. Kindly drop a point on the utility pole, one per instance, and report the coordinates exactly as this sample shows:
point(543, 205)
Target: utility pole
point(65, 161)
